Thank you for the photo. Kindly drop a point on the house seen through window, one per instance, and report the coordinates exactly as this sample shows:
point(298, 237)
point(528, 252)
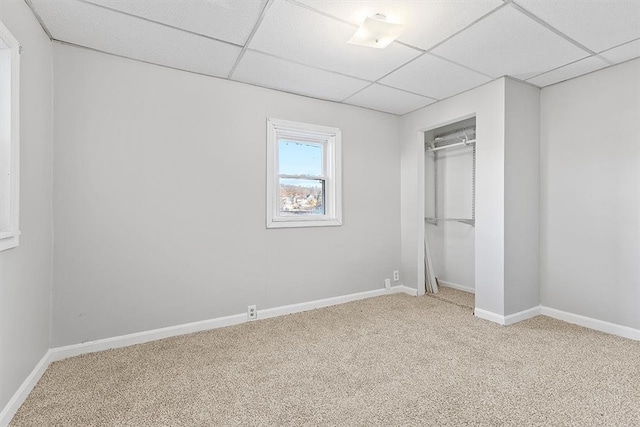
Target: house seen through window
point(303, 182)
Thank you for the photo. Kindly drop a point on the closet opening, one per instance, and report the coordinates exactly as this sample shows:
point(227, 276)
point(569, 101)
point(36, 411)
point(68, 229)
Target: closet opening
point(450, 200)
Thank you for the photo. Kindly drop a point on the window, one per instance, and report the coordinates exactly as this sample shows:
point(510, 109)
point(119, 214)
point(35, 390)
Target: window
point(303, 175)
point(9, 138)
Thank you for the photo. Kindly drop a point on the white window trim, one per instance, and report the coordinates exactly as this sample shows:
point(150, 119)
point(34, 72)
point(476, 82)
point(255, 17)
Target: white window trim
point(9, 238)
point(331, 138)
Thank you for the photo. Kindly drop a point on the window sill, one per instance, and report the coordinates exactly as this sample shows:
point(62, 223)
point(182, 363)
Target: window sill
point(9, 240)
point(296, 223)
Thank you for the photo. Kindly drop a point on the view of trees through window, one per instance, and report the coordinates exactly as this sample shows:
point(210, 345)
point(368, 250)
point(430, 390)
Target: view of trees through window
point(301, 198)
point(302, 181)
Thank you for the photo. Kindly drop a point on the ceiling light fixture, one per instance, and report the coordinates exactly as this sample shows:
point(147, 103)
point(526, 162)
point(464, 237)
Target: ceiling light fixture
point(376, 32)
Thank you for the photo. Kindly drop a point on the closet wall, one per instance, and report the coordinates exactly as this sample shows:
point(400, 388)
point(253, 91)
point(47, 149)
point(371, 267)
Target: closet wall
point(507, 201)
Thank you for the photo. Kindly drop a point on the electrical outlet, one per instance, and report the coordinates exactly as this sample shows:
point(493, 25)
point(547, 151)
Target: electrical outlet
point(252, 313)
point(387, 283)
point(396, 276)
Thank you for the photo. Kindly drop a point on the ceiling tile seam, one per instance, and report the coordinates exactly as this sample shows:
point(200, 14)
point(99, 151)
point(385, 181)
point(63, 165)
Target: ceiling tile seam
point(370, 109)
point(325, 14)
point(400, 66)
point(417, 109)
point(142, 18)
point(389, 73)
point(486, 15)
point(524, 82)
point(459, 93)
point(408, 91)
point(615, 47)
point(67, 43)
point(450, 61)
point(39, 18)
point(561, 66)
point(205, 75)
point(585, 74)
point(357, 92)
point(551, 28)
point(250, 38)
point(604, 59)
point(409, 46)
point(291, 61)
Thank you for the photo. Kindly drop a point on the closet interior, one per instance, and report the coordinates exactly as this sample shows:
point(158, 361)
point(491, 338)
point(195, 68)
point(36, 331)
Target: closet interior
point(450, 163)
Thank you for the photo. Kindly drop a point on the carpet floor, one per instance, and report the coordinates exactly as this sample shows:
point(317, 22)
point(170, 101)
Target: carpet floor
point(390, 361)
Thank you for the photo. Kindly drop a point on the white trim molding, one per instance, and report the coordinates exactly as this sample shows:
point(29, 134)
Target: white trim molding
point(576, 319)
point(23, 391)
point(446, 284)
point(59, 353)
point(591, 323)
point(329, 139)
point(312, 305)
point(509, 319)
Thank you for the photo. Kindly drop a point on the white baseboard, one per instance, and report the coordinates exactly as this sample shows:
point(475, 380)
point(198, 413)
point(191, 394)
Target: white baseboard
point(576, 319)
point(23, 391)
point(312, 305)
point(402, 289)
point(509, 319)
point(591, 323)
point(59, 353)
point(488, 315)
point(456, 286)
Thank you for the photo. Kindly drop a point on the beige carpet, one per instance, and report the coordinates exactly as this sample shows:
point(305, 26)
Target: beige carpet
point(454, 296)
point(393, 360)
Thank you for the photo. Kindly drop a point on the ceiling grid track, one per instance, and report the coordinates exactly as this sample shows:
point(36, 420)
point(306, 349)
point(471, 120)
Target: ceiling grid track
point(39, 19)
point(376, 78)
point(131, 15)
point(251, 35)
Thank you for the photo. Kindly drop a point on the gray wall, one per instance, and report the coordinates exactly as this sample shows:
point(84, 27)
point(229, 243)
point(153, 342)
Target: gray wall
point(160, 200)
point(25, 271)
point(522, 197)
point(590, 195)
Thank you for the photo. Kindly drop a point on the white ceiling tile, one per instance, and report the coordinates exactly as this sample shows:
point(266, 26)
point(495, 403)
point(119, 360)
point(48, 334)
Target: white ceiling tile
point(228, 20)
point(597, 24)
point(98, 28)
point(427, 22)
point(509, 43)
point(296, 33)
point(265, 70)
point(570, 71)
point(623, 53)
point(434, 77)
point(389, 100)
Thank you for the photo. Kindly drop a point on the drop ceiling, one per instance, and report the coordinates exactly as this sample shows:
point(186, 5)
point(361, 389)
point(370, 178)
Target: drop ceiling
point(300, 46)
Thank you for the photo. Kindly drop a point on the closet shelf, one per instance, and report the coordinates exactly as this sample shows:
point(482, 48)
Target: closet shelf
point(468, 221)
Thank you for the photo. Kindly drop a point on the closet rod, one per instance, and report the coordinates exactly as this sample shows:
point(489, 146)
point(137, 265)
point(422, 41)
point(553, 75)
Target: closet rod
point(457, 144)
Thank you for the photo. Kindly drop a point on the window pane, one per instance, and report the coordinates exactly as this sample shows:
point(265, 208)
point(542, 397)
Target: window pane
point(301, 197)
point(299, 158)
